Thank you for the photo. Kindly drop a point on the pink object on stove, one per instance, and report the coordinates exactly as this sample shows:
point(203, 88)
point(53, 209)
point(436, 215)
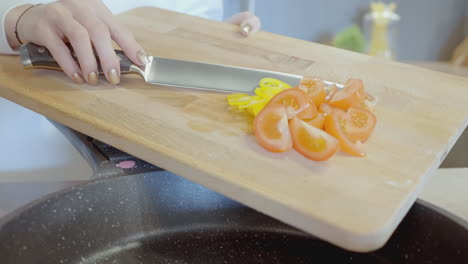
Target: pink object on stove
point(127, 164)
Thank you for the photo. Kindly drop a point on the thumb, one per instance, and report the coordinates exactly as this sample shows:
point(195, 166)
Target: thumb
point(248, 22)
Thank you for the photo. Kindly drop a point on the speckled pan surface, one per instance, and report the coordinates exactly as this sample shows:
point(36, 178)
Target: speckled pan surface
point(162, 218)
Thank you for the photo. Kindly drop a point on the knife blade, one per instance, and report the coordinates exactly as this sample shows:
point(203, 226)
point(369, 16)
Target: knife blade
point(205, 76)
point(172, 72)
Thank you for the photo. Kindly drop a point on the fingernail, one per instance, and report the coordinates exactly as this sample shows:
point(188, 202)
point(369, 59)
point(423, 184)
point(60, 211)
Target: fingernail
point(113, 76)
point(246, 29)
point(77, 78)
point(142, 57)
point(93, 78)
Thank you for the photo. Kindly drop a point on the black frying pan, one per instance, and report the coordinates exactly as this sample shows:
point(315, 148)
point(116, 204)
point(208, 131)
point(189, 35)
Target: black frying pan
point(159, 217)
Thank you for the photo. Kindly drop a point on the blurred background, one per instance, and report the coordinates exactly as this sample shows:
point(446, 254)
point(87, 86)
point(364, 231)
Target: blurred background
point(422, 30)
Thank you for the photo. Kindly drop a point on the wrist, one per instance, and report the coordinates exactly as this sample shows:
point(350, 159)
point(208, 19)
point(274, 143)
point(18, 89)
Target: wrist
point(11, 24)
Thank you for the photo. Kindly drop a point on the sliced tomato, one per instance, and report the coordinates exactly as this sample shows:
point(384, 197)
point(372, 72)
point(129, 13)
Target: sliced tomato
point(295, 101)
point(315, 88)
point(312, 116)
point(331, 91)
point(334, 124)
point(318, 121)
point(311, 142)
point(310, 112)
point(352, 94)
point(325, 109)
point(359, 124)
point(271, 129)
point(369, 102)
point(338, 111)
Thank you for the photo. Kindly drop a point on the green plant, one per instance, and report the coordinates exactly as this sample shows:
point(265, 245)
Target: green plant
point(350, 38)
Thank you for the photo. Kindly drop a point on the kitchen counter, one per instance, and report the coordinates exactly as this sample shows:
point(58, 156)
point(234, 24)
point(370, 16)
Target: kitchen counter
point(447, 189)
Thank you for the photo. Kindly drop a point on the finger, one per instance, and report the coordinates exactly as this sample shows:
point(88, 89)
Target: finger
point(248, 22)
point(239, 17)
point(62, 55)
point(102, 42)
point(47, 34)
point(81, 43)
point(125, 39)
point(250, 26)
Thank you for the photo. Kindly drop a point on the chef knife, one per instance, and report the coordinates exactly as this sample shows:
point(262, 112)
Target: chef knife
point(171, 72)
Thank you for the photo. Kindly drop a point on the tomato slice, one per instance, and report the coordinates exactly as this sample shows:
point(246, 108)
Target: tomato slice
point(331, 91)
point(295, 100)
point(318, 121)
point(369, 102)
point(311, 142)
point(359, 124)
point(325, 109)
point(315, 88)
point(271, 129)
point(352, 94)
point(310, 112)
point(333, 125)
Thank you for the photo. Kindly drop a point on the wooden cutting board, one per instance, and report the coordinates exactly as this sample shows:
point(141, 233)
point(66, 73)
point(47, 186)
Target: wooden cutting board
point(355, 203)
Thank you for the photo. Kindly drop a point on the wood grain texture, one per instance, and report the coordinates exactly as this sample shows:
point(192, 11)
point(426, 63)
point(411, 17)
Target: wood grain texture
point(355, 203)
point(442, 66)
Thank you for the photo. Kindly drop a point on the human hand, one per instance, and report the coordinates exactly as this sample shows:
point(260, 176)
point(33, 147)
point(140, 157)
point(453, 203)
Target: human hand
point(84, 24)
point(248, 22)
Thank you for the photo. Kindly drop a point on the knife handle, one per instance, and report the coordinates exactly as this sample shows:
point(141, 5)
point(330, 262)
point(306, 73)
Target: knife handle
point(38, 57)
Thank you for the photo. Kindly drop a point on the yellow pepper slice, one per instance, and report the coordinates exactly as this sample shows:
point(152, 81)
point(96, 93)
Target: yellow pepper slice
point(239, 99)
point(253, 104)
point(273, 83)
point(267, 92)
point(256, 108)
point(254, 100)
